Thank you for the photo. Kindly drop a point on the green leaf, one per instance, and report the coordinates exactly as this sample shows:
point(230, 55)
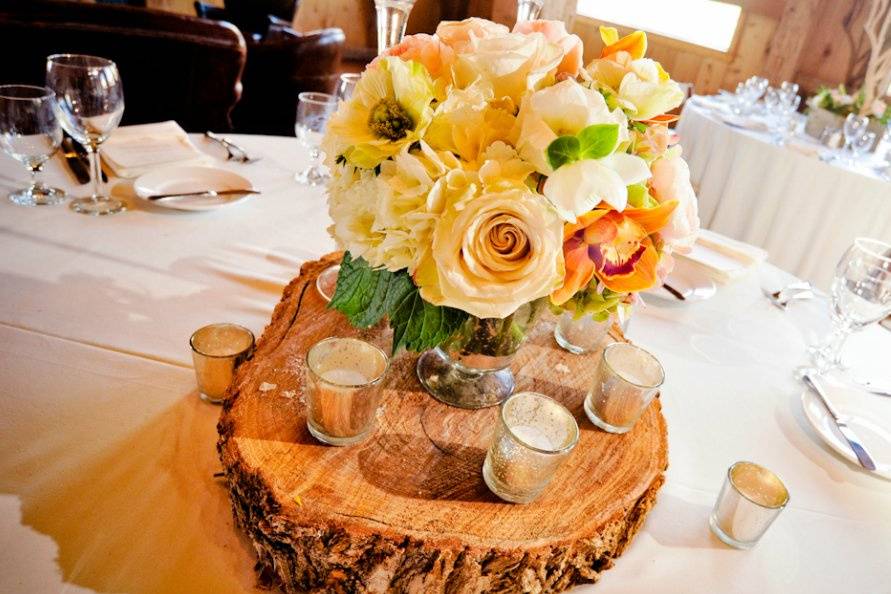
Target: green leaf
point(563, 150)
point(639, 197)
point(598, 140)
point(365, 295)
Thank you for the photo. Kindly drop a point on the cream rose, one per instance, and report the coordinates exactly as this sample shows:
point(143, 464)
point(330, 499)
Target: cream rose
point(511, 64)
point(641, 86)
point(671, 181)
point(555, 32)
point(493, 253)
point(458, 34)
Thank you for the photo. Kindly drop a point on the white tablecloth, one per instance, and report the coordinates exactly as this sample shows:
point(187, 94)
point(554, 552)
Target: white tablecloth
point(107, 454)
point(803, 211)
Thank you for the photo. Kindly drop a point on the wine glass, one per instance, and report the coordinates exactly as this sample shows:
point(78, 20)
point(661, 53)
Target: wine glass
point(89, 103)
point(313, 112)
point(392, 16)
point(346, 84)
point(853, 128)
point(861, 295)
point(863, 145)
point(790, 88)
point(528, 10)
point(30, 133)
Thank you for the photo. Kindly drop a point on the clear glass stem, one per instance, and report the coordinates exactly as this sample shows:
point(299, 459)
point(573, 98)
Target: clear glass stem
point(827, 355)
point(392, 16)
point(95, 171)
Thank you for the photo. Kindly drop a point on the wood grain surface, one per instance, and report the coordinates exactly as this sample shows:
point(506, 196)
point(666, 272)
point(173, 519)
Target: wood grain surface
point(407, 510)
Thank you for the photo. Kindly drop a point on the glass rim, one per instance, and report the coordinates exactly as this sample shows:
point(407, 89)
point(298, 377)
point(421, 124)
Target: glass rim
point(350, 75)
point(379, 378)
point(861, 243)
point(746, 497)
point(317, 98)
point(568, 447)
point(216, 325)
point(56, 59)
point(609, 347)
point(47, 92)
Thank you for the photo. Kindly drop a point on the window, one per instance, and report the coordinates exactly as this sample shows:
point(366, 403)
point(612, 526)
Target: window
point(708, 23)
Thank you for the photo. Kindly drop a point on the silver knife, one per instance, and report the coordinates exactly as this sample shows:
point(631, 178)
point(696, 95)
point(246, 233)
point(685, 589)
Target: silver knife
point(862, 455)
point(211, 193)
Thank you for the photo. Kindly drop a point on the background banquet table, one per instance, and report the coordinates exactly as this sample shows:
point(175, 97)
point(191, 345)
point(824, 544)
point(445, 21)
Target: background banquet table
point(784, 199)
point(108, 455)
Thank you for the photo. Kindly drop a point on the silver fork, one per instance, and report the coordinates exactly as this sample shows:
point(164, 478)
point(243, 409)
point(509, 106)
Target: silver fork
point(791, 292)
point(235, 152)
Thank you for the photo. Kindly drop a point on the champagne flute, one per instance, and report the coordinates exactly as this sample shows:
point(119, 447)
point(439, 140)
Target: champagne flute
point(313, 112)
point(528, 10)
point(346, 84)
point(30, 134)
point(392, 16)
point(90, 104)
point(861, 295)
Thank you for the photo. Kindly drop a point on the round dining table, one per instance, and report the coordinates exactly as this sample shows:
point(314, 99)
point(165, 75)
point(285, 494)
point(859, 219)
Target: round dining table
point(804, 211)
point(108, 464)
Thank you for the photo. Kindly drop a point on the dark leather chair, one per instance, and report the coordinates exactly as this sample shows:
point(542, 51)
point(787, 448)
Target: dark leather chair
point(172, 66)
point(279, 66)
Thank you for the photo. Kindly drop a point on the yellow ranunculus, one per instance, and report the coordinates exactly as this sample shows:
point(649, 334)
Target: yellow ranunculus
point(390, 109)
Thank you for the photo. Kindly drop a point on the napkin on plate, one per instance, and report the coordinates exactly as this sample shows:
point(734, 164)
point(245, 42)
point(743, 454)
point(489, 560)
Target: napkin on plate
point(724, 259)
point(134, 150)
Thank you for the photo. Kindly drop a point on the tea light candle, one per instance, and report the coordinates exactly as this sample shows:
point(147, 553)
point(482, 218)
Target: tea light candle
point(627, 380)
point(750, 500)
point(534, 435)
point(217, 350)
point(343, 389)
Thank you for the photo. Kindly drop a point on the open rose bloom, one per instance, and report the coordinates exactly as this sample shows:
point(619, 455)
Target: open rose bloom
point(493, 168)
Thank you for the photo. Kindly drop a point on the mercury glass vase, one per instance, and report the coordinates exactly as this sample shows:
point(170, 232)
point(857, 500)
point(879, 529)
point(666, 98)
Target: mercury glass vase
point(471, 369)
point(392, 16)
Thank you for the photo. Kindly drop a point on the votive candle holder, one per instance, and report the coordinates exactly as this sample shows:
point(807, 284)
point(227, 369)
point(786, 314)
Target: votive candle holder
point(750, 500)
point(534, 435)
point(217, 351)
point(627, 380)
point(343, 389)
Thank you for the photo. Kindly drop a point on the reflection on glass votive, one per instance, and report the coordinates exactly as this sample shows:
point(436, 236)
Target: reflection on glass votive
point(534, 435)
point(580, 335)
point(626, 382)
point(326, 282)
point(343, 389)
point(750, 500)
point(217, 350)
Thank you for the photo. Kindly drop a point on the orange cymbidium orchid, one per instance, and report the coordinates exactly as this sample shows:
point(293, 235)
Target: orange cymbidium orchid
point(634, 43)
point(613, 246)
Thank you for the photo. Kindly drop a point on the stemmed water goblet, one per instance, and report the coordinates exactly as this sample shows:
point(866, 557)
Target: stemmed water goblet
point(861, 295)
point(30, 133)
point(313, 112)
point(346, 85)
point(853, 129)
point(863, 145)
point(89, 104)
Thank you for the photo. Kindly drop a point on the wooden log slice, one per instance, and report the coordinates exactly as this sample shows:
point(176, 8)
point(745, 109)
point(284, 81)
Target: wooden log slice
point(407, 510)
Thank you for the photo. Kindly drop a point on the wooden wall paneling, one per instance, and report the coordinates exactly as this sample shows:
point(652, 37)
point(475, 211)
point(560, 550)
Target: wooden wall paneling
point(710, 76)
point(789, 40)
point(686, 68)
point(750, 49)
point(836, 47)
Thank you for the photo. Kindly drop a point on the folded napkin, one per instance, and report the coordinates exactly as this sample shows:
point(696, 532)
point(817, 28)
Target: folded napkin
point(722, 258)
point(748, 123)
point(134, 150)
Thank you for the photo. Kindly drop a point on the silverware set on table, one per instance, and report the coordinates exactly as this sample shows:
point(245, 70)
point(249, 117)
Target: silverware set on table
point(234, 152)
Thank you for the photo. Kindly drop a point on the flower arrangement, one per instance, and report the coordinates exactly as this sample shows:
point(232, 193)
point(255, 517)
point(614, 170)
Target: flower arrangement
point(480, 169)
point(838, 101)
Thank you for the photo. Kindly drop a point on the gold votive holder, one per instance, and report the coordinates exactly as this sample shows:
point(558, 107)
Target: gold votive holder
point(535, 434)
point(343, 389)
point(217, 350)
point(627, 380)
point(750, 500)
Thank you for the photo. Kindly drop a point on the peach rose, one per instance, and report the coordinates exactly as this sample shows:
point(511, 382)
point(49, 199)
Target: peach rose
point(555, 32)
point(457, 34)
point(671, 181)
point(425, 49)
